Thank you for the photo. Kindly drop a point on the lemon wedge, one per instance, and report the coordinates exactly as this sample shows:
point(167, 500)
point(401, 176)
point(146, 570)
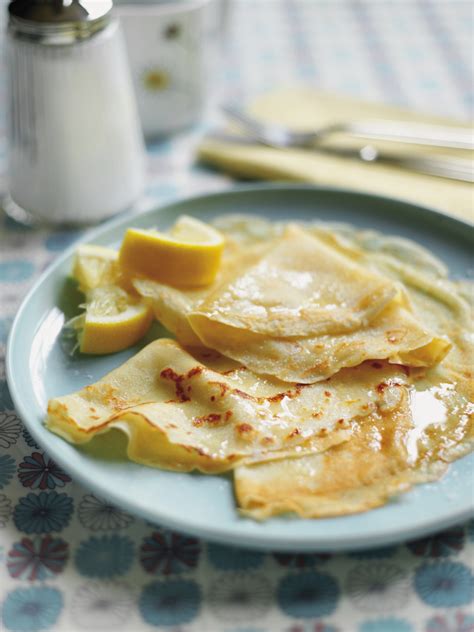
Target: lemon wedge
point(189, 255)
point(113, 320)
point(95, 266)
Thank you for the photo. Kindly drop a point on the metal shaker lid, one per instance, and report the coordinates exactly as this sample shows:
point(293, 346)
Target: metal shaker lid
point(58, 21)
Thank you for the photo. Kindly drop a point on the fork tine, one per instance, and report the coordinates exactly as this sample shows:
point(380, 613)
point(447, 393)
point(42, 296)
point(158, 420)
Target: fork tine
point(266, 133)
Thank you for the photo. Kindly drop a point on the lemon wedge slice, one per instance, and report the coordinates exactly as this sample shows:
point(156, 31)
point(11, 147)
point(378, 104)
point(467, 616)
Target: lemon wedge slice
point(95, 266)
point(189, 255)
point(113, 320)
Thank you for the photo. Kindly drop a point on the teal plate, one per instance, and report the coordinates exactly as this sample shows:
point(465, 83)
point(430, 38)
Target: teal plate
point(38, 369)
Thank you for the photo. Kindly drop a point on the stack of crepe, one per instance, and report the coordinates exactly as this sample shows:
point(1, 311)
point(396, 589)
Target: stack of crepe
point(329, 369)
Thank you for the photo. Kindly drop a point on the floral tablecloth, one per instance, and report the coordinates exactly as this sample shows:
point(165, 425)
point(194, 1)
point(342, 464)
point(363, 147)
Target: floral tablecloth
point(70, 561)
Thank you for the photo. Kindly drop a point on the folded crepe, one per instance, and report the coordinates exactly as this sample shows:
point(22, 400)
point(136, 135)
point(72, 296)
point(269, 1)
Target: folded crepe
point(298, 309)
point(185, 412)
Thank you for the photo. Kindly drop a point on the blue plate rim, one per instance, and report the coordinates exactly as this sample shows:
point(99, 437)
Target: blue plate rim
point(305, 543)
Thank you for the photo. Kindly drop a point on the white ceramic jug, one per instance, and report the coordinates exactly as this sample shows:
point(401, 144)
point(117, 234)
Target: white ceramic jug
point(173, 48)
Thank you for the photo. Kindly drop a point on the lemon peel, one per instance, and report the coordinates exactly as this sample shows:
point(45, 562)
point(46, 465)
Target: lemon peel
point(188, 256)
point(113, 320)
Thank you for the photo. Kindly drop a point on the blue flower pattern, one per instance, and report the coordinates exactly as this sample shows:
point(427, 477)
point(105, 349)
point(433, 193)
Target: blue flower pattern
point(43, 513)
point(308, 595)
point(7, 469)
point(10, 428)
point(15, 271)
point(170, 603)
point(28, 439)
point(6, 510)
point(98, 515)
point(239, 596)
point(444, 584)
point(32, 609)
point(105, 556)
point(60, 240)
point(37, 471)
point(37, 558)
point(169, 553)
point(227, 558)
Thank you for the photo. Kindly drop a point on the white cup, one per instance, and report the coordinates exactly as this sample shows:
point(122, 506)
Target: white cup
point(170, 46)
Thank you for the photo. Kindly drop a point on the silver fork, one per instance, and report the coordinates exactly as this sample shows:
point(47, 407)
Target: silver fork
point(443, 166)
point(400, 131)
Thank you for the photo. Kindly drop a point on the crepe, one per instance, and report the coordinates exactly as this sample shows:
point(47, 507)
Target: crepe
point(172, 305)
point(299, 309)
point(318, 412)
point(181, 414)
point(395, 335)
point(390, 450)
point(363, 474)
point(299, 287)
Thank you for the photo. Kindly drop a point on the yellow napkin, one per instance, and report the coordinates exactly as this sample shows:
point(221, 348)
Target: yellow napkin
point(304, 108)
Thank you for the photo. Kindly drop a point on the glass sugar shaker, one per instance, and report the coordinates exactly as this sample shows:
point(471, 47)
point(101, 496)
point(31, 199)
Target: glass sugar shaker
point(76, 152)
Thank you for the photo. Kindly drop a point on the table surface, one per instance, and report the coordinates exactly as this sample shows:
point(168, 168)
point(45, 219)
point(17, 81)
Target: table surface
point(87, 565)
